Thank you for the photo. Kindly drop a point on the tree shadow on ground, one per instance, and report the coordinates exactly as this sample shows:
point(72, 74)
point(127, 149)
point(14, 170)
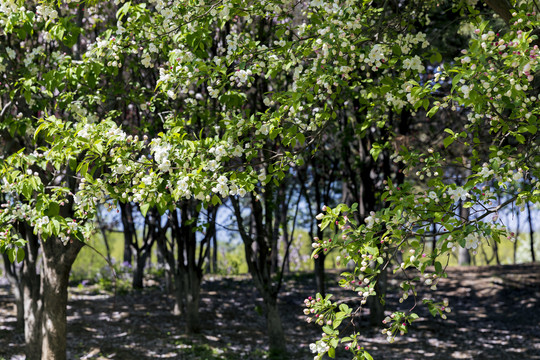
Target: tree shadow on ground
point(496, 315)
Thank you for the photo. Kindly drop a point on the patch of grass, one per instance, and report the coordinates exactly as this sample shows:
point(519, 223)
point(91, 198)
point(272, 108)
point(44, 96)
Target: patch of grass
point(89, 263)
point(190, 350)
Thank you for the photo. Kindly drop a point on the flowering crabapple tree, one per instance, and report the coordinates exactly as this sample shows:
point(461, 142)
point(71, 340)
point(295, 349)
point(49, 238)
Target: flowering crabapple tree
point(492, 85)
point(205, 58)
point(195, 68)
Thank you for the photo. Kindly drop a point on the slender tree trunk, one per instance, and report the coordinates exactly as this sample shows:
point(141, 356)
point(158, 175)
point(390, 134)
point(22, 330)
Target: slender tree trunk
point(433, 242)
point(259, 266)
point(320, 274)
point(213, 262)
point(278, 348)
point(178, 295)
point(517, 236)
point(531, 232)
point(31, 285)
point(57, 262)
point(127, 219)
point(192, 301)
point(496, 252)
point(464, 254)
point(138, 272)
point(376, 303)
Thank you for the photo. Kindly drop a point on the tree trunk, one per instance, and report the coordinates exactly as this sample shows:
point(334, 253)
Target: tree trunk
point(57, 262)
point(138, 272)
point(319, 274)
point(31, 288)
point(502, 7)
point(276, 335)
point(531, 232)
point(127, 222)
point(178, 295)
point(496, 252)
point(464, 257)
point(376, 303)
point(516, 237)
point(193, 282)
point(259, 268)
point(128, 252)
point(213, 262)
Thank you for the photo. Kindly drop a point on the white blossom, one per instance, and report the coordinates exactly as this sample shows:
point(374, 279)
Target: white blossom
point(458, 194)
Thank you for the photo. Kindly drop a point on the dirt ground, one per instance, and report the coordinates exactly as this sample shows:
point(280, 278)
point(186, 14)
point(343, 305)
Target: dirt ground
point(496, 315)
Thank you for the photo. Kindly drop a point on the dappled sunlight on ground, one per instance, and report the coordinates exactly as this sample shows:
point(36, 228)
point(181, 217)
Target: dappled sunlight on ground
point(495, 315)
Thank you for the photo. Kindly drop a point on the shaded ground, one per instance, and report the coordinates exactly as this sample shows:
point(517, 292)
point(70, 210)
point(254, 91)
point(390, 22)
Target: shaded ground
point(496, 315)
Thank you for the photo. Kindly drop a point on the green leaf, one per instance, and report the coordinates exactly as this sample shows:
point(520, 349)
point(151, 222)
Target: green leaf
point(20, 255)
point(332, 352)
point(40, 127)
point(375, 151)
point(449, 131)
point(449, 140)
point(325, 223)
point(327, 329)
point(432, 111)
point(11, 255)
point(435, 58)
point(98, 147)
point(162, 206)
point(27, 190)
point(54, 209)
point(83, 168)
point(216, 200)
point(144, 208)
point(56, 227)
point(456, 79)
point(301, 138)
point(425, 103)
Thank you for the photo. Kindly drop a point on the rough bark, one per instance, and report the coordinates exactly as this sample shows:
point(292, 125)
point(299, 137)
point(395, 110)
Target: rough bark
point(57, 262)
point(186, 258)
point(278, 348)
point(193, 289)
point(256, 249)
point(127, 221)
point(178, 295)
point(31, 285)
point(502, 8)
point(138, 271)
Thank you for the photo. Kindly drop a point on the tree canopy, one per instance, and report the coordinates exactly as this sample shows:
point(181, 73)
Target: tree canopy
point(157, 102)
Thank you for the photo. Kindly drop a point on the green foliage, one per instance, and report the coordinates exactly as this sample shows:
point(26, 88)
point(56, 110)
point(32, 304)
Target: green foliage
point(156, 104)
